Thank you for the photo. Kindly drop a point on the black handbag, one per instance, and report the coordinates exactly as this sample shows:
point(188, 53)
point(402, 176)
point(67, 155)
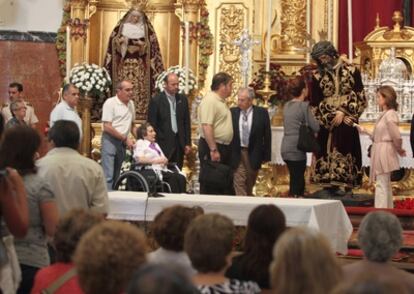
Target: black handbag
point(217, 175)
point(307, 141)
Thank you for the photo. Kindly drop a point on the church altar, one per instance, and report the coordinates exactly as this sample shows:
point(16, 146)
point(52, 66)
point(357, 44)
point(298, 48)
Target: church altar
point(327, 216)
point(405, 162)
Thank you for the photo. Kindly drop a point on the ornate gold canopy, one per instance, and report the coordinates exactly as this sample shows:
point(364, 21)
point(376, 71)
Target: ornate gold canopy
point(376, 46)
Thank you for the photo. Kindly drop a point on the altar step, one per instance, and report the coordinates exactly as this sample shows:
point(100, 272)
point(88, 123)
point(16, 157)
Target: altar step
point(353, 200)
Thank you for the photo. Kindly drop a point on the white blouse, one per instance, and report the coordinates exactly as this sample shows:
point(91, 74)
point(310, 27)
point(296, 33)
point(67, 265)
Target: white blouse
point(142, 149)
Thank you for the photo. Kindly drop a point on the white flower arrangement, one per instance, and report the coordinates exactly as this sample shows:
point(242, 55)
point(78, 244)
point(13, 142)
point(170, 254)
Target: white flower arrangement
point(180, 72)
point(90, 79)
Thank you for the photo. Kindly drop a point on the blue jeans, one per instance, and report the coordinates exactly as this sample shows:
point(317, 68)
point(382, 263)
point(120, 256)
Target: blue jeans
point(112, 156)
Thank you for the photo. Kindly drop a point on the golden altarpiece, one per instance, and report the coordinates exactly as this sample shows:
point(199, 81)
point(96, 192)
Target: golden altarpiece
point(289, 45)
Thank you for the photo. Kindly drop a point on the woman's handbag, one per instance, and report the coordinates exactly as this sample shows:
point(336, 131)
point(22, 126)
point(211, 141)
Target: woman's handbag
point(307, 141)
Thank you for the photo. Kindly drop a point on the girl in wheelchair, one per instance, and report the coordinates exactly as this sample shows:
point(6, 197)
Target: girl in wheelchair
point(148, 153)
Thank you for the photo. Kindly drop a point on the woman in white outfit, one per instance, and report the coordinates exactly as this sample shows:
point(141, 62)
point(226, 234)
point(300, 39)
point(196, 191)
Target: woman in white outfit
point(386, 146)
point(148, 152)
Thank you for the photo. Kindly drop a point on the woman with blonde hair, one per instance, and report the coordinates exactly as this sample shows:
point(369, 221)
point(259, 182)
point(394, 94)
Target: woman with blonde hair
point(386, 146)
point(303, 262)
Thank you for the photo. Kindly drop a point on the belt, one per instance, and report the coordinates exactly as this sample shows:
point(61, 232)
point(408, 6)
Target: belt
point(218, 141)
point(244, 148)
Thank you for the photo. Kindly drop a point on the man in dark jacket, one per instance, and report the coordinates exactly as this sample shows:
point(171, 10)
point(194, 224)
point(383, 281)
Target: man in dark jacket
point(168, 113)
point(251, 145)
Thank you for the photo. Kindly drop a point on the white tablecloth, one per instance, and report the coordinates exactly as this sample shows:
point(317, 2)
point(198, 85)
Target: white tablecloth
point(327, 216)
point(406, 162)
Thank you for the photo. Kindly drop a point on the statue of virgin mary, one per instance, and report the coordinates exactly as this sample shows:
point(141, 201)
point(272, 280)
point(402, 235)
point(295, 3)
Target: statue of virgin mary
point(134, 54)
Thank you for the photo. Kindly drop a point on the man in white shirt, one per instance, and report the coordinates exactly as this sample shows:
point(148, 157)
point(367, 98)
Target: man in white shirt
point(76, 181)
point(16, 93)
point(66, 109)
point(118, 116)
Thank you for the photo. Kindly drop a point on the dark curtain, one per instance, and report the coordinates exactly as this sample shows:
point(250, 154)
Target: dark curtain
point(363, 18)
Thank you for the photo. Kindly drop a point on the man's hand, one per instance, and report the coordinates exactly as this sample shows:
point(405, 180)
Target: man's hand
point(187, 149)
point(339, 117)
point(129, 143)
point(215, 155)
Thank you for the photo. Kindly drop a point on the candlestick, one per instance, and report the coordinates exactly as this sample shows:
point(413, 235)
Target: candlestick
point(187, 55)
point(266, 92)
point(308, 29)
point(350, 49)
point(68, 53)
point(269, 27)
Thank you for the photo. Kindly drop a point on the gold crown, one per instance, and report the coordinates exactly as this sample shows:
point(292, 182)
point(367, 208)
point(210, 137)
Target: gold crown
point(323, 35)
point(137, 4)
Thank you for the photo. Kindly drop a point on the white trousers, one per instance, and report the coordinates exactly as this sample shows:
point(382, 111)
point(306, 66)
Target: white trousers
point(383, 191)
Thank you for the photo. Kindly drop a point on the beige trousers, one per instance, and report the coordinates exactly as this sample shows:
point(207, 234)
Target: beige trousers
point(383, 191)
point(244, 176)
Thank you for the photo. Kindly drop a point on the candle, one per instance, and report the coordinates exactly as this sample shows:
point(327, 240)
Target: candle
point(269, 27)
point(350, 49)
point(68, 53)
point(187, 55)
point(329, 20)
point(308, 28)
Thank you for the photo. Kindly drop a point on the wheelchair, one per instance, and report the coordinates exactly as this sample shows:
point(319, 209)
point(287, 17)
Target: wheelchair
point(142, 177)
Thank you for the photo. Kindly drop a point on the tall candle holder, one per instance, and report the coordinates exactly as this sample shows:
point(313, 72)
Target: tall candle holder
point(266, 92)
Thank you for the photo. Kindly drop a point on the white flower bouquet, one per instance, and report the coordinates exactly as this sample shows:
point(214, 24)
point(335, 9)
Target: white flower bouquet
point(90, 79)
point(180, 72)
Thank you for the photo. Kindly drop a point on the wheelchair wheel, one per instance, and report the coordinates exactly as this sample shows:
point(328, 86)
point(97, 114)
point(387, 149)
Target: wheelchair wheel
point(131, 181)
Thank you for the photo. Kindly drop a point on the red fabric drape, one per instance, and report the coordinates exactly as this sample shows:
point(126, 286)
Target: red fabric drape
point(363, 18)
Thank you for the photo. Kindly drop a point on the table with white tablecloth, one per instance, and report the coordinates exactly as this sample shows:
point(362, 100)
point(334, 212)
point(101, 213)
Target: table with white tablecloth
point(405, 162)
point(327, 216)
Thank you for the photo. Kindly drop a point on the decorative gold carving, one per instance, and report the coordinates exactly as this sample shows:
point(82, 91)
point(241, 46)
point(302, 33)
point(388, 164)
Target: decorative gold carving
point(397, 32)
point(232, 22)
point(92, 7)
point(190, 2)
point(376, 46)
point(138, 4)
point(264, 184)
point(293, 23)
point(405, 185)
point(78, 28)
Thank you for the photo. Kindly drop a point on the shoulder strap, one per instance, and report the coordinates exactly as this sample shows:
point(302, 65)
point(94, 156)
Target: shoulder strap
point(306, 112)
point(59, 282)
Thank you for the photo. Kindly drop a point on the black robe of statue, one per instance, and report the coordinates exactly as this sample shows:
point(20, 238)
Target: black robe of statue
point(341, 89)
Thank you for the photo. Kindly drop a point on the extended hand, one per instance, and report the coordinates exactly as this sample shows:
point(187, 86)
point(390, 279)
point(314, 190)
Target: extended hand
point(339, 117)
point(360, 128)
point(402, 153)
point(349, 121)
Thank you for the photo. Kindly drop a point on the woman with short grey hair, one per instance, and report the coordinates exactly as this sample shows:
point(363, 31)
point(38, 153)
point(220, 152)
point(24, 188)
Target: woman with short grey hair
point(380, 238)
